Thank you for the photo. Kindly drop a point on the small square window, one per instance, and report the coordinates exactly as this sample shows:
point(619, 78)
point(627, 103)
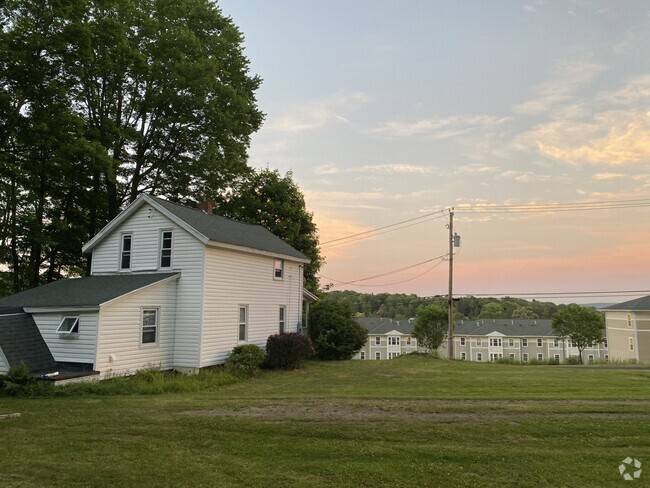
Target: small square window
point(278, 269)
point(69, 325)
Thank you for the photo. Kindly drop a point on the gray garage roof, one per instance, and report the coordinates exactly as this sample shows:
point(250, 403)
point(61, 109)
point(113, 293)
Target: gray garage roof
point(82, 292)
point(638, 305)
point(21, 341)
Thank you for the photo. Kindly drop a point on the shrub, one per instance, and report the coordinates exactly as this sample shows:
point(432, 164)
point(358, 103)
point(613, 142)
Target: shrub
point(287, 351)
point(333, 331)
point(245, 360)
point(573, 360)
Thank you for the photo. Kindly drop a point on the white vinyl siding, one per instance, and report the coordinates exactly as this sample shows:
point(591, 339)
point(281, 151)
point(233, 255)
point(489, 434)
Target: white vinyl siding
point(120, 349)
point(233, 278)
point(72, 348)
point(188, 254)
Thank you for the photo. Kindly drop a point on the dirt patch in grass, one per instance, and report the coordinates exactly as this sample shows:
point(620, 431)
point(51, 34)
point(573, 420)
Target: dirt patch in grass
point(359, 412)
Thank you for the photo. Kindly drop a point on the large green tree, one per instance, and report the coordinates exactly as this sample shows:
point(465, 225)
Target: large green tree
point(274, 201)
point(101, 100)
point(431, 327)
point(582, 326)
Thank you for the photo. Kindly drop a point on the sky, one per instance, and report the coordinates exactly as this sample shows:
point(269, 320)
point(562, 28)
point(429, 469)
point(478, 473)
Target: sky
point(387, 111)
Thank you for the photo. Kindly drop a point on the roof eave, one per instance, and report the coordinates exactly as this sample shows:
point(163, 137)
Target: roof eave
point(114, 299)
point(252, 250)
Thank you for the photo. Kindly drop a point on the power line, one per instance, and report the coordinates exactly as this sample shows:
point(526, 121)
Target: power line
point(557, 207)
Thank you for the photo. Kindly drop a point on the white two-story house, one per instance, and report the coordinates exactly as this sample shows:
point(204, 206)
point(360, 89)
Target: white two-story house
point(170, 287)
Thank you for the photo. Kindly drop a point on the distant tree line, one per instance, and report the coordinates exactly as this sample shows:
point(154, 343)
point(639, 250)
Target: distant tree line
point(402, 306)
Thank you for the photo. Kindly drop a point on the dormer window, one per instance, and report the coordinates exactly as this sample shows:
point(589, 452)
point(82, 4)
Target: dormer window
point(278, 271)
point(125, 251)
point(166, 237)
point(69, 325)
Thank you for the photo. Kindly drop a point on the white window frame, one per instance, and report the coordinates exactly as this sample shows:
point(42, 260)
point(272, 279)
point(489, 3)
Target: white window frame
point(556, 343)
point(377, 341)
point(540, 356)
point(278, 269)
point(590, 358)
point(524, 343)
point(512, 355)
point(463, 356)
point(630, 343)
point(155, 326)
point(242, 323)
point(629, 320)
point(540, 342)
point(511, 343)
point(393, 340)
point(162, 249)
point(605, 344)
point(462, 341)
point(408, 341)
point(495, 341)
point(479, 342)
point(128, 253)
point(556, 357)
point(362, 355)
point(377, 355)
point(282, 318)
point(69, 325)
point(479, 356)
point(524, 357)
point(392, 355)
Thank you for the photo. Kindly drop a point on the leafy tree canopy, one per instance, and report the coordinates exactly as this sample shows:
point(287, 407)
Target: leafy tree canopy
point(274, 201)
point(101, 100)
point(431, 327)
point(582, 326)
point(333, 331)
point(492, 310)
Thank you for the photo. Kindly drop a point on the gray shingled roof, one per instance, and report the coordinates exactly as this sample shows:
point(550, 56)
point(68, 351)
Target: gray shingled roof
point(21, 340)
point(638, 305)
point(378, 325)
point(82, 292)
point(221, 229)
point(508, 327)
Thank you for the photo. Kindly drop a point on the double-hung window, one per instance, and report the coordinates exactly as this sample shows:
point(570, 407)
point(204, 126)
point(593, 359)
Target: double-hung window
point(540, 342)
point(278, 269)
point(462, 341)
point(166, 238)
point(524, 342)
point(377, 341)
point(282, 318)
point(125, 251)
point(150, 318)
point(243, 323)
point(393, 341)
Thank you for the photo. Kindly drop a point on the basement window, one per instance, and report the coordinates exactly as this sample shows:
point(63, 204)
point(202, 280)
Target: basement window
point(69, 325)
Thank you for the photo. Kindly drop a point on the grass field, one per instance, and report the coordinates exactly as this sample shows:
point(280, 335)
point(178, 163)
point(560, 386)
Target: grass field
point(412, 421)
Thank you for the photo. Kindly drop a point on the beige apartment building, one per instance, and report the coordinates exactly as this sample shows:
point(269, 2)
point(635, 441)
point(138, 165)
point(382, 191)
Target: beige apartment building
point(628, 330)
point(387, 338)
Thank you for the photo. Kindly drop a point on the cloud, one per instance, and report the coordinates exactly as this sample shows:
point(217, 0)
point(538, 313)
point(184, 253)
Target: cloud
point(438, 128)
point(477, 168)
point(385, 169)
point(523, 176)
point(633, 92)
point(608, 176)
point(567, 78)
point(317, 113)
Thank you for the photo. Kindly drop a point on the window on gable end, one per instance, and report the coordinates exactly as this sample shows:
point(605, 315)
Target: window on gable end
point(68, 325)
point(278, 269)
point(125, 251)
point(166, 239)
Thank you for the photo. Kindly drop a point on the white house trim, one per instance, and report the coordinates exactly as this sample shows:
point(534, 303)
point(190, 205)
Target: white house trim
point(175, 277)
point(60, 309)
point(251, 250)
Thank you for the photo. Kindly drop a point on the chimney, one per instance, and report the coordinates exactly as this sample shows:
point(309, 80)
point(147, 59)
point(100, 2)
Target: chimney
point(205, 207)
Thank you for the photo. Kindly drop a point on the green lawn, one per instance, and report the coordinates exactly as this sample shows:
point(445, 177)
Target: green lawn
point(412, 421)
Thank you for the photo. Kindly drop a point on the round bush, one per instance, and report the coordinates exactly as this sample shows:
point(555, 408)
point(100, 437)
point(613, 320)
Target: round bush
point(287, 351)
point(245, 360)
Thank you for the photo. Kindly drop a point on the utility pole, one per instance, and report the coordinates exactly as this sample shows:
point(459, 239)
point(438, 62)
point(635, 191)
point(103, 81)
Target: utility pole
point(454, 241)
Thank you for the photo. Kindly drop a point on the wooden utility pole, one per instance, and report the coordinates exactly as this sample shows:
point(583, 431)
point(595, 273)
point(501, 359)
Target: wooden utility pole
point(451, 283)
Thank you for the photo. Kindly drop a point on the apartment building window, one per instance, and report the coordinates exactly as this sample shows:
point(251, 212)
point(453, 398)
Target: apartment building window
point(243, 323)
point(392, 355)
point(556, 343)
point(540, 357)
point(462, 341)
point(377, 355)
point(511, 342)
point(606, 357)
point(524, 342)
point(166, 237)
point(362, 355)
point(479, 356)
point(605, 344)
point(540, 342)
point(408, 341)
point(393, 341)
point(556, 357)
point(630, 341)
point(524, 357)
point(281, 318)
point(590, 358)
point(377, 341)
point(463, 356)
point(512, 355)
point(125, 251)
point(495, 341)
point(495, 356)
point(479, 342)
point(629, 320)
